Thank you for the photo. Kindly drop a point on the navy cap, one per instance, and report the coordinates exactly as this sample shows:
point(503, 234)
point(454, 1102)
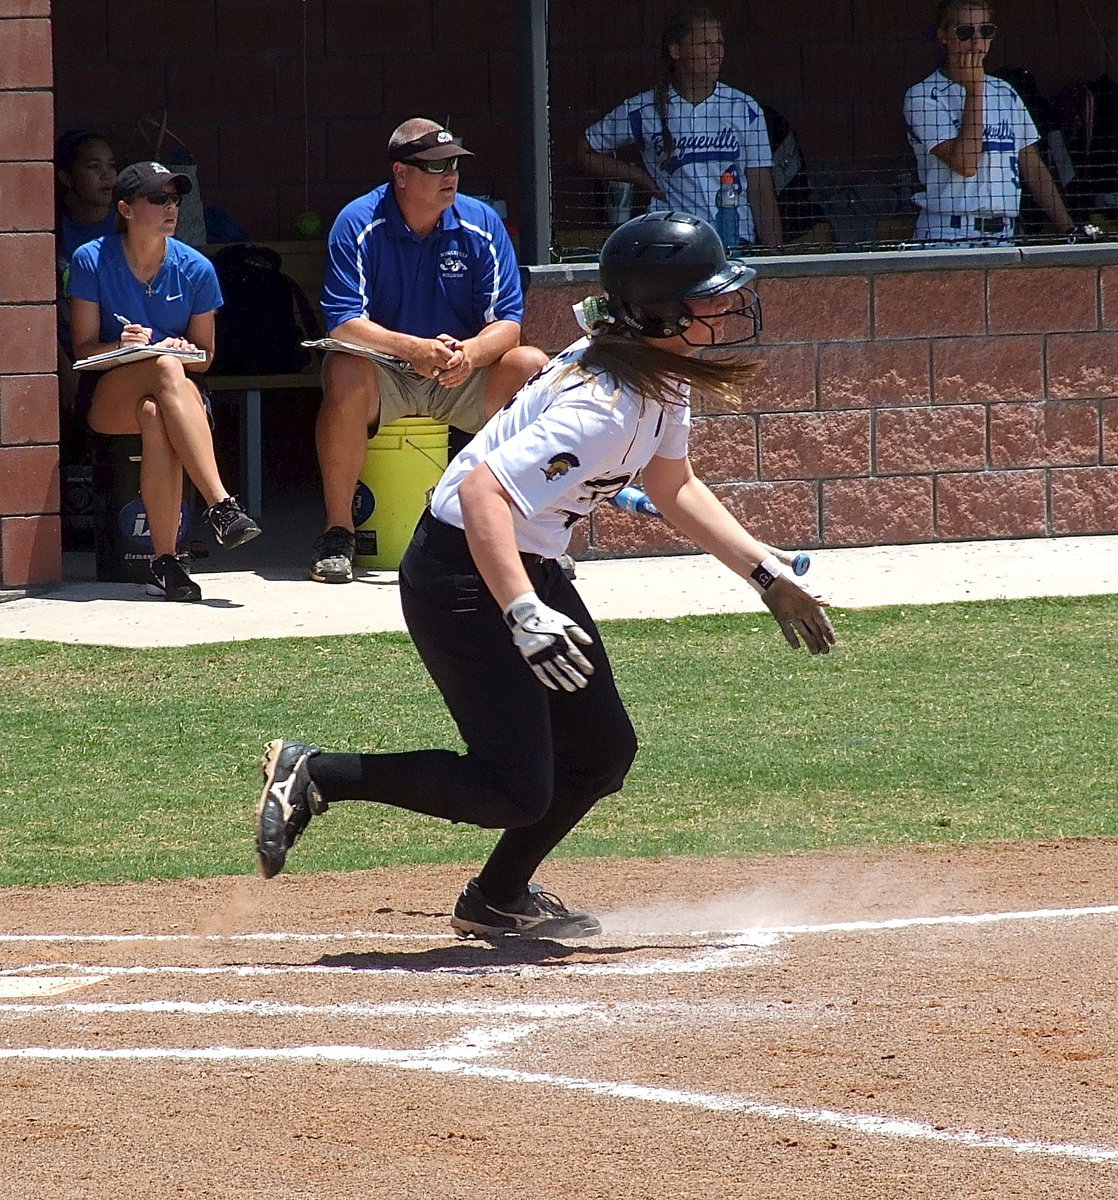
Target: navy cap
point(148, 179)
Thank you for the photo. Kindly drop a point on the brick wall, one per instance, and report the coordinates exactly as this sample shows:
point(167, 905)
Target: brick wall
point(231, 73)
point(927, 397)
point(29, 523)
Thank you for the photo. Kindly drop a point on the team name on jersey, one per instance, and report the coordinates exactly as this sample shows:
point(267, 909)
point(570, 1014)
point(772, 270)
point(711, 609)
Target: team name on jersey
point(453, 262)
point(999, 136)
point(689, 146)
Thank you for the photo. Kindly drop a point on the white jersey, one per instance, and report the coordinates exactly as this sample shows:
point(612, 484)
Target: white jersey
point(726, 131)
point(562, 447)
point(933, 111)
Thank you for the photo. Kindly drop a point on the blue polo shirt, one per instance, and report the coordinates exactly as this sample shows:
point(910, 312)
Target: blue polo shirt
point(185, 285)
point(457, 280)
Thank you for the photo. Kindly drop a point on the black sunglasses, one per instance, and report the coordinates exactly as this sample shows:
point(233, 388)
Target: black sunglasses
point(986, 31)
point(162, 199)
point(434, 166)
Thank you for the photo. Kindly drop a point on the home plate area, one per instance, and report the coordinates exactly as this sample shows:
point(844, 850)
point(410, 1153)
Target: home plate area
point(928, 1023)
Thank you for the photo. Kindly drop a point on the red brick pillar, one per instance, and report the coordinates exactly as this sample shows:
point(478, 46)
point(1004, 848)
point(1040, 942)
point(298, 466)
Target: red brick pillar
point(30, 536)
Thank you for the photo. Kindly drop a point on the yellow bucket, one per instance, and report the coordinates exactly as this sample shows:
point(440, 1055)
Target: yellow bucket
point(402, 465)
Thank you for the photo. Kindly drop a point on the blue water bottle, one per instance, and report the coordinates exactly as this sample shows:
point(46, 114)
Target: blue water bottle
point(726, 210)
point(632, 499)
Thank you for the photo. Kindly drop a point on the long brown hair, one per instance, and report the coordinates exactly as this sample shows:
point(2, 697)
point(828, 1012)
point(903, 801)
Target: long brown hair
point(677, 27)
point(660, 375)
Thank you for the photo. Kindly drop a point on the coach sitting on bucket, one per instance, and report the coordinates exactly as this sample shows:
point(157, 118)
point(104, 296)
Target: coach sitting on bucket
point(416, 271)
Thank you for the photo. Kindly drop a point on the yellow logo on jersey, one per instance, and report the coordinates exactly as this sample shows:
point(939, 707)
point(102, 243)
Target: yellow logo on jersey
point(559, 464)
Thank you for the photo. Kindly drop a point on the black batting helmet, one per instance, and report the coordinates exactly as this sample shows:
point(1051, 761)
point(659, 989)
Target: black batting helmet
point(650, 265)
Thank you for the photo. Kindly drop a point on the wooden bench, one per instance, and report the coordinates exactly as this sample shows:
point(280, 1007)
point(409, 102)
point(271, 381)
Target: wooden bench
point(303, 262)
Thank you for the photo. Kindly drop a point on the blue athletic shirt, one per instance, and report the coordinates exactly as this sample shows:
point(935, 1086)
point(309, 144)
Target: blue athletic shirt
point(459, 279)
point(185, 285)
point(71, 235)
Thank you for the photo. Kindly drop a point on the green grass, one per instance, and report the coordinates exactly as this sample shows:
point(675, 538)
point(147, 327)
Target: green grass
point(928, 724)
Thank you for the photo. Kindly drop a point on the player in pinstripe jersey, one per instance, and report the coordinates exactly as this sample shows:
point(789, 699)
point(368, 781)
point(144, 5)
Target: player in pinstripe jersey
point(688, 130)
point(974, 141)
point(428, 276)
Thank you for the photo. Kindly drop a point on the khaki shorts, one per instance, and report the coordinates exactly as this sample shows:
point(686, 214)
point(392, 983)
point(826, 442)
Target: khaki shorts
point(403, 393)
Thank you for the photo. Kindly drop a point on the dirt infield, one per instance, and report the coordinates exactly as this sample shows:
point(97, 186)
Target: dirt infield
point(939, 1024)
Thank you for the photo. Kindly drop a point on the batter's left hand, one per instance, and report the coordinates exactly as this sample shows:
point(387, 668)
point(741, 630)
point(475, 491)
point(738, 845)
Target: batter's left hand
point(797, 611)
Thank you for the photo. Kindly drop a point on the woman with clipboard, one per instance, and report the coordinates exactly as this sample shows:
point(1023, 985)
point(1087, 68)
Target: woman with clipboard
point(140, 287)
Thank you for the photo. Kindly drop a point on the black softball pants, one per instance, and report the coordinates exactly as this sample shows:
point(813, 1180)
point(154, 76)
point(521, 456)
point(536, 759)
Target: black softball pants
point(536, 760)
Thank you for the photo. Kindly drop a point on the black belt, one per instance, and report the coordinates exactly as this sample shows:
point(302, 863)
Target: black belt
point(984, 224)
point(448, 543)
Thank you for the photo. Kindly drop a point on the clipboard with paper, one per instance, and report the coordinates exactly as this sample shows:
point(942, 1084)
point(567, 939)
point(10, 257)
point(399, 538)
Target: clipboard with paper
point(387, 360)
point(128, 354)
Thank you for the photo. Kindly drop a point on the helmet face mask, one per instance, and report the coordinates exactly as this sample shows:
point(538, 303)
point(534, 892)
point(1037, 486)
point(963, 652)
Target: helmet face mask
point(739, 322)
point(652, 265)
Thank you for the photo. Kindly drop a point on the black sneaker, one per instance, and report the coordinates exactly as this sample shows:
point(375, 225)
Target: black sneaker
point(287, 803)
point(232, 526)
point(536, 914)
point(171, 579)
point(333, 556)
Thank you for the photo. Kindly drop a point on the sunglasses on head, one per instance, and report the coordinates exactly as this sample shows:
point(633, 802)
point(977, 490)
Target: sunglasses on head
point(162, 199)
point(434, 166)
point(985, 31)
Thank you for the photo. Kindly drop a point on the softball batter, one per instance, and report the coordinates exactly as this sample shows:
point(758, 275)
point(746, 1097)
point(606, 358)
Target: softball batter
point(503, 633)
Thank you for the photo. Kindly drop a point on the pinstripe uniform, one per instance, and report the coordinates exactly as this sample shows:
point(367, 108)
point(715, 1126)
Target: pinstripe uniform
point(724, 132)
point(953, 207)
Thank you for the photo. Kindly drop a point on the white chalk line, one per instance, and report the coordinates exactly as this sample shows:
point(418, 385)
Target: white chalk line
point(657, 967)
point(269, 1008)
point(453, 1058)
point(1036, 914)
point(763, 934)
point(722, 950)
point(725, 958)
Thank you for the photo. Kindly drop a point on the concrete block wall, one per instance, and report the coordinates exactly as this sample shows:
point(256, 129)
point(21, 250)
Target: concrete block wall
point(932, 399)
point(29, 522)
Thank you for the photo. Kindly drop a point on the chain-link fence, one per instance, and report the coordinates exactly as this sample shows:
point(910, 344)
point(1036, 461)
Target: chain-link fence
point(643, 117)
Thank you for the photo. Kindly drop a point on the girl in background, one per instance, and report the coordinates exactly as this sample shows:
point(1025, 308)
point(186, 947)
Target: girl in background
point(85, 171)
point(974, 140)
point(689, 131)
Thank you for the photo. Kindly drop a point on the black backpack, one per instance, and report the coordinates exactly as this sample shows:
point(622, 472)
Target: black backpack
point(798, 210)
point(257, 332)
point(1090, 121)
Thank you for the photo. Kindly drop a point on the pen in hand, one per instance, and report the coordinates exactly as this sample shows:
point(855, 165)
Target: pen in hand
point(144, 333)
